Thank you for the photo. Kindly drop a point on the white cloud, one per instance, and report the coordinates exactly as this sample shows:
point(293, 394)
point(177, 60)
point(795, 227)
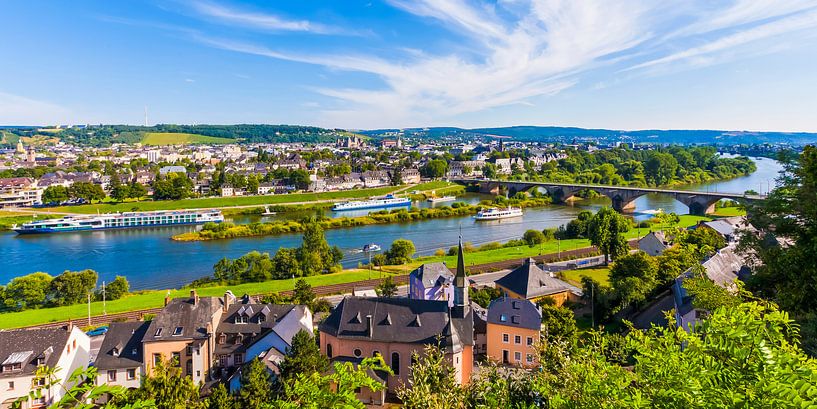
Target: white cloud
point(264, 21)
point(17, 110)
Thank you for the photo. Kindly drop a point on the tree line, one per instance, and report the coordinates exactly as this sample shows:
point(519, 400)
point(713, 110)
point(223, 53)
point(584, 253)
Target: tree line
point(38, 290)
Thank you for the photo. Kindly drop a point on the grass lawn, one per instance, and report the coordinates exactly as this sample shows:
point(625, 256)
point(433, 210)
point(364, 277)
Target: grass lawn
point(730, 211)
point(155, 298)
point(7, 220)
point(600, 274)
point(209, 202)
point(174, 138)
point(436, 184)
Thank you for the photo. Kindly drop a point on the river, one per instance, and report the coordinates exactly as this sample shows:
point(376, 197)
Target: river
point(150, 260)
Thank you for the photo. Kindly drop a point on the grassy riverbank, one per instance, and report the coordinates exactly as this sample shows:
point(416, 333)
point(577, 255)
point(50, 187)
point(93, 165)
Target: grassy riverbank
point(155, 298)
point(219, 202)
point(9, 219)
point(214, 231)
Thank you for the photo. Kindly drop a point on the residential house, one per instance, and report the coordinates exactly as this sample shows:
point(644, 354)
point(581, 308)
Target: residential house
point(503, 166)
point(120, 360)
point(432, 281)
point(375, 178)
point(513, 327)
point(410, 175)
point(19, 192)
point(23, 352)
point(654, 243)
point(164, 170)
point(725, 229)
point(396, 328)
point(529, 282)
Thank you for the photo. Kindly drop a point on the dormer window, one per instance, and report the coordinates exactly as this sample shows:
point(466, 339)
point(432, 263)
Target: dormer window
point(115, 352)
point(133, 351)
point(261, 318)
point(158, 332)
point(222, 338)
point(40, 361)
point(503, 318)
point(239, 339)
point(178, 331)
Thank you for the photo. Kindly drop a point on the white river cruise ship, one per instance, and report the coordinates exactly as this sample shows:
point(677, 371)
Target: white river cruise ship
point(127, 220)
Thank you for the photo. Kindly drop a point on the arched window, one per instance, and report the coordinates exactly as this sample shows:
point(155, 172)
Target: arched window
point(395, 363)
point(329, 351)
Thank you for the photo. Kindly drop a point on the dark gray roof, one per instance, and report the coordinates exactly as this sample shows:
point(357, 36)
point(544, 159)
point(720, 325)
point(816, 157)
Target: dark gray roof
point(30, 344)
point(126, 338)
point(431, 274)
point(513, 312)
point(399, 320)
point(250, 331)
point(723, 228)
point(183, 313)
point(529, 281)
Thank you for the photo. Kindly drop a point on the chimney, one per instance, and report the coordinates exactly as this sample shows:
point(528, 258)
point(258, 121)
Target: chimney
point(194, 297)
point(69, 326)
point(167, 299)
point(228, 299)
point(369, 326)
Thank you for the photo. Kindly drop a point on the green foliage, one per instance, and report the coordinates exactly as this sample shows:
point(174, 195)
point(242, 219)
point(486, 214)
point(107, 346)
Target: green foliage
point(256, 386)
point(435, 169)
point(220, 398)
point(71, 287)
point(708, 296)
point(303, 357)
point(400, 252)
point(86, 190)
point(605, 231)
point(173, 186)
point(334, 390)
point(303, 294)
point(82, 389)
point(28, 291)
point(116, 289)
point(169, 389)
point(558, 323)
point(533, 237)
point(433, 383)
point(387, 288)
point(55, 194)
point(634, 278)
point(483, 296)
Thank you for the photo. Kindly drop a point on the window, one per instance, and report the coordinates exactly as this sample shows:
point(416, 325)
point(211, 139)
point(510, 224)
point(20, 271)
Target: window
point(178, 331)
point(357, 352)
point(133, 351)
point(158, 332)
point(529, 358)
point(329, 351)
point(222, 338)
point(189, 350)
point(131, 375)
point(157, 359)
point(38, 382)
point(503, 318)
point(517, 356)
point(189, 367)
point(517, 339)
point(39, 401)
point(239, 339)
point(239, 359)
point(222, 361)
point(112, 375)
point(11, 385)
point(115, 352)
point(75, 344)
point(506, 338)
point(261, 318)
point(40, 361)
point(395, 363)
point(530, 341)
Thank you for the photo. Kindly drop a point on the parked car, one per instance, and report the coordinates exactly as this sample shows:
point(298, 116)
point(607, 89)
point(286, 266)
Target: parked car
point(98, 331)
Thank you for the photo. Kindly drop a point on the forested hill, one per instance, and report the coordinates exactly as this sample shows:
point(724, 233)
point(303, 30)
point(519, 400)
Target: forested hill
point(104, 135)
point(569, 134)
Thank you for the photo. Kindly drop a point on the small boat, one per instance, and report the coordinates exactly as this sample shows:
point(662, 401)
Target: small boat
point(371, 247)
point(267, 212)
point(497, 214)
point(441, 199)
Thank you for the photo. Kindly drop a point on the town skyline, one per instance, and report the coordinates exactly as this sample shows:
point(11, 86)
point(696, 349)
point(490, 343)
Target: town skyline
point(395, 64)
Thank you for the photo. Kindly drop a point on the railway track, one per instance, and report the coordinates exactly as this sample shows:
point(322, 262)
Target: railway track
point(343, 288)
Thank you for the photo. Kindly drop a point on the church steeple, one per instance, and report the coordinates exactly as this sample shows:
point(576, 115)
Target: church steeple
point(460, 281)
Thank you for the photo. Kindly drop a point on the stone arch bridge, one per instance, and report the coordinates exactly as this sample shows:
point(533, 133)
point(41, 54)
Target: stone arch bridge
point(623, 197)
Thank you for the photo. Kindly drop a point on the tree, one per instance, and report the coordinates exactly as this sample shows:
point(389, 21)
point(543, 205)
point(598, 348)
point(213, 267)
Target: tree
point(256, 386)
point(303, 357)
point(489, 171)
point(137, 190)
point(315, 256)
point(87, 191)
point(434, 169)
point(55, 194)
point(28, 291)
point(83, 389)
point(337, 389)
point(169, 388)
point(285, 264)
point(220, 398)
point(558, 323)
point(303, 294)
point(605, 231)
point(633, 277)
point(660, 168)
point(115, 290)
point(173, 186)
point(252, 184)
point(533, 237)
point(71, 287)
point(387, 288)
point(400, 252)
point(433, 384)
point(119, 191)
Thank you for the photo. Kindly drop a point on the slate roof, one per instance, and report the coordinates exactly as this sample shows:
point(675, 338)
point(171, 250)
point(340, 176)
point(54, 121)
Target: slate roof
point(29, 344)
point(250, 331)
point(529, 281)
point(723, 228)
point(400, 320)
point(513, 312)
point(183, 312)
point(126, 337)
point(432, 274)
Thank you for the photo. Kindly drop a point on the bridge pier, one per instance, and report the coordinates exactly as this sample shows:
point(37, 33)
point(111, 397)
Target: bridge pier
point(623, 200)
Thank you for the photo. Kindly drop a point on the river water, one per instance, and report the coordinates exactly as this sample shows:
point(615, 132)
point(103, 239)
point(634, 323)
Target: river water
point(150, 260)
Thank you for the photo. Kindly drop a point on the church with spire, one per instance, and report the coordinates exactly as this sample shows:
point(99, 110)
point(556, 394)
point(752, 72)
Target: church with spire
point(397, 327)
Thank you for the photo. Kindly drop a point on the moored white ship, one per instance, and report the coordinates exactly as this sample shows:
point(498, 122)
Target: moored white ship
point(388, 201)
point(120, 221)
point(494, 213)
point(441, 199)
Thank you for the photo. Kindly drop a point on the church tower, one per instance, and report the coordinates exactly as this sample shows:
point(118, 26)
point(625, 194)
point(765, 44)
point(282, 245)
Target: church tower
point(20, 148)
point(460, 281)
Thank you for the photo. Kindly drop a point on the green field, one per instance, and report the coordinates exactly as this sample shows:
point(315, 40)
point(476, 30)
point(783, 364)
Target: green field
point(155, 298)
point(172, 138)
point(214, 202)
point(730, 211)
point(601, 274)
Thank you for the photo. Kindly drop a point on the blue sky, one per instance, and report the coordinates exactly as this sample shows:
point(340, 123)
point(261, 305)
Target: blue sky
point(740, 64)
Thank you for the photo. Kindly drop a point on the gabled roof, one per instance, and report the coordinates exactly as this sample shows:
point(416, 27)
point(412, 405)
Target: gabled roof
point(125, 337)
point(723, 228)
point(513, 312)
point(399, 320)
point(25, 346)
point(185, 313)
point(529, 281)
point(431, 274)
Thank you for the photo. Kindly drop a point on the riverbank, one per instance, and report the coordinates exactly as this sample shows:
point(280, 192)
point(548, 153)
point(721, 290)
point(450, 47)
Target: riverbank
point(143, 300)
point(230, 231)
